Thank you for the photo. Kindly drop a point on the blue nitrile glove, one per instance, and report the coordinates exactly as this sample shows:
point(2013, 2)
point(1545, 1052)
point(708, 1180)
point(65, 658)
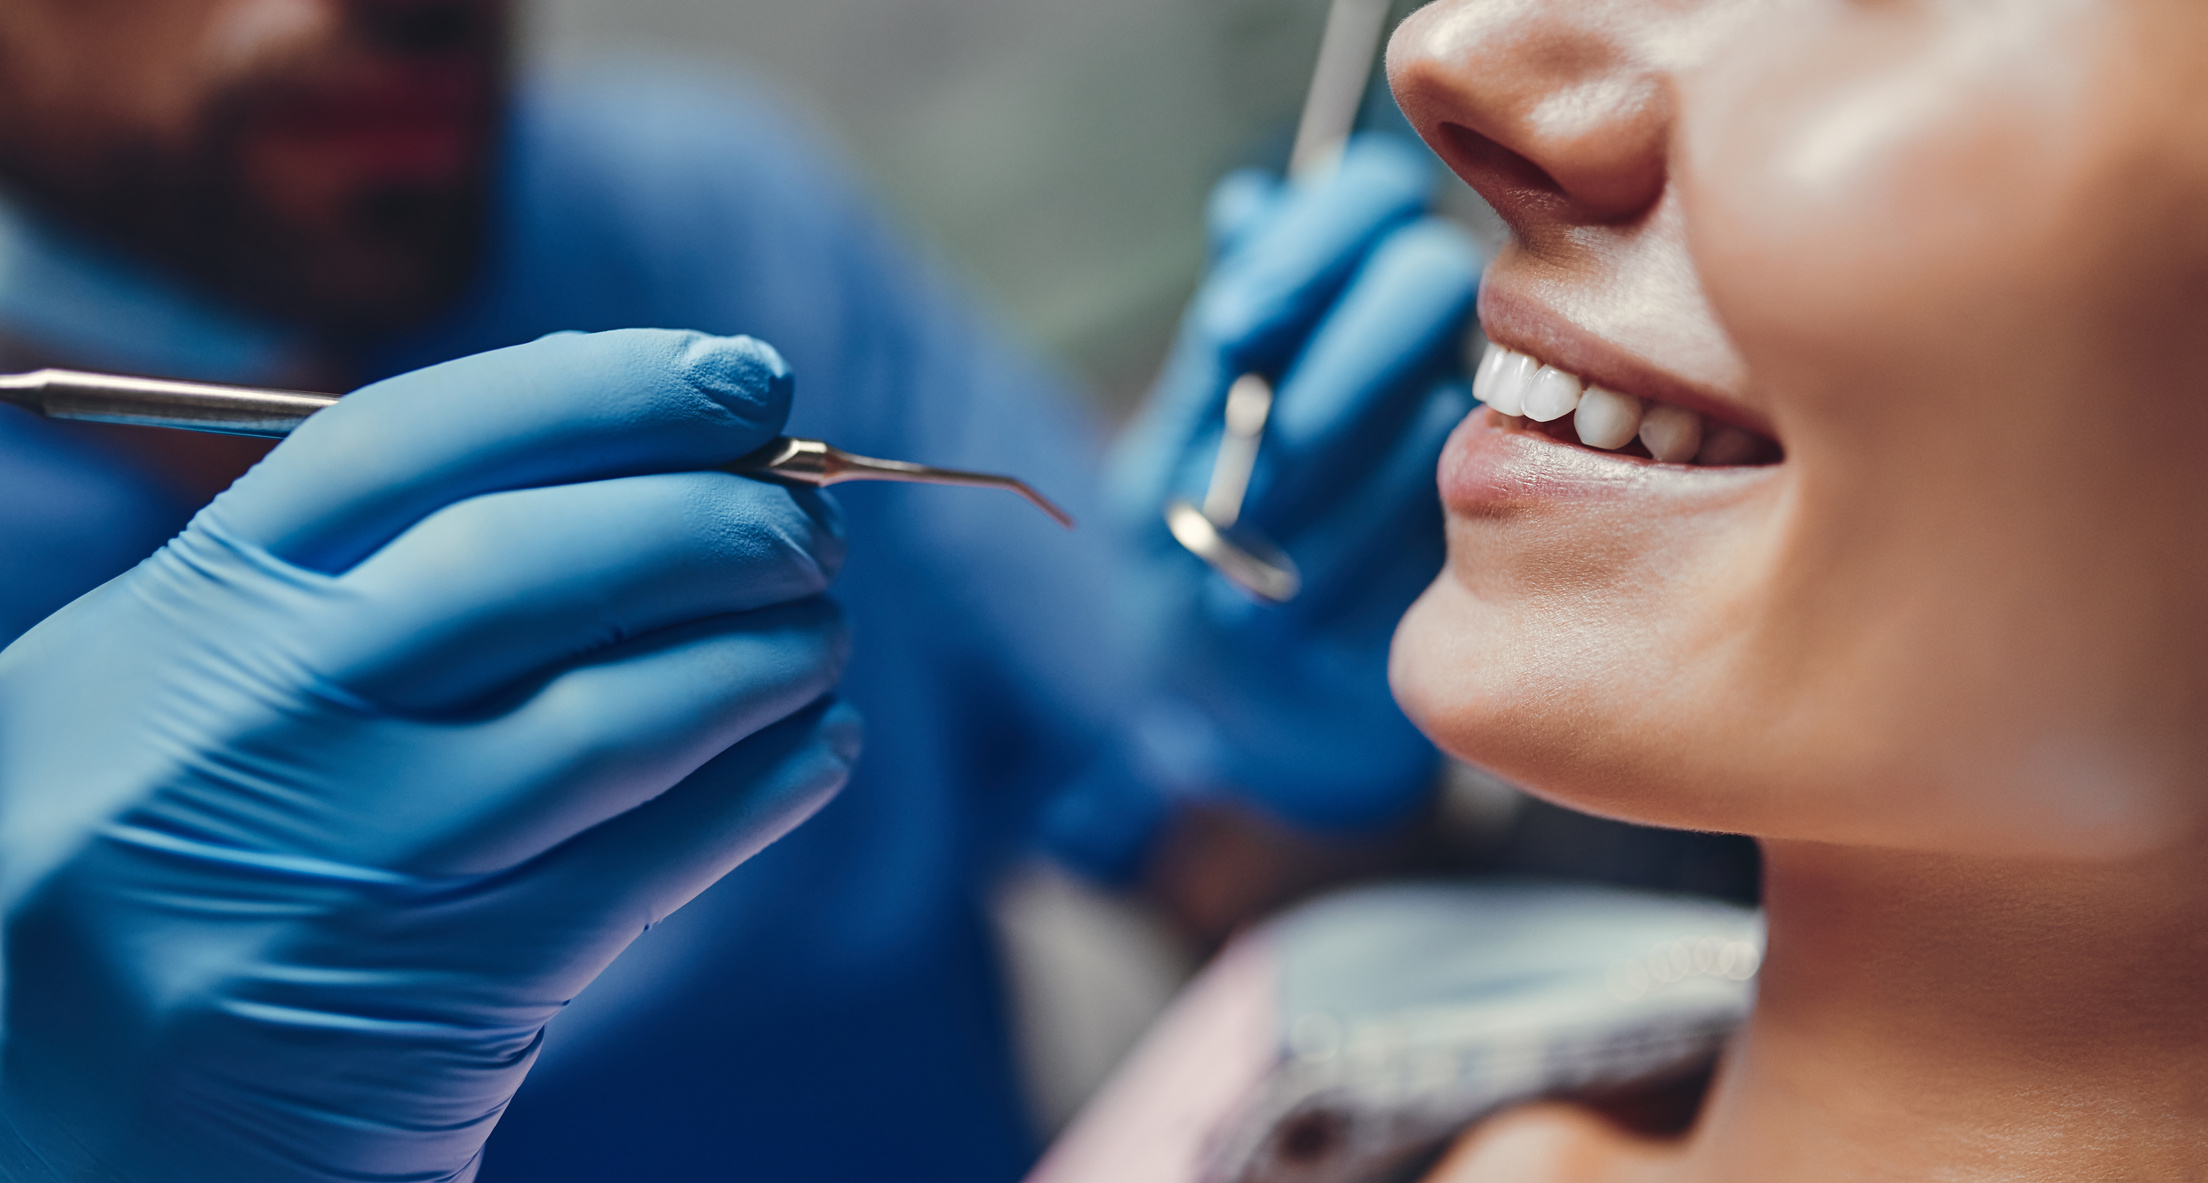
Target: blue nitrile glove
point(310, 822)
point(1355, 302)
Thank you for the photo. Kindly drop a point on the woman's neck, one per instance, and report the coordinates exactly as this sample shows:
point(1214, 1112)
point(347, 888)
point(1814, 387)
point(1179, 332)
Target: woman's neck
point(1926, 1017)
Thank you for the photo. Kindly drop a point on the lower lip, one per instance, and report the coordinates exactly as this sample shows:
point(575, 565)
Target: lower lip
point(1489, 468)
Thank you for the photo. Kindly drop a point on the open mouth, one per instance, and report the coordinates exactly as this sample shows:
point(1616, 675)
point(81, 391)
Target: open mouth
point(1527, 395)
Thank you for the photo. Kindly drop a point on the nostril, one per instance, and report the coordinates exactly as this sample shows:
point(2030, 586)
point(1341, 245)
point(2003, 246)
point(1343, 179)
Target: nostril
point(1517, 187)
point(1611, 172)
point(1506, 168)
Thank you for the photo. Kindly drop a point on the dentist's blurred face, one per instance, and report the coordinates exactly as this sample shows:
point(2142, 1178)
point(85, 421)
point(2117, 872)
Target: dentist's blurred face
point(1949, 262)
point(322, 159)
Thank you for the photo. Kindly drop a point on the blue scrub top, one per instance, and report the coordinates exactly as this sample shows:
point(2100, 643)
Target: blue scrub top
point(833, 1009)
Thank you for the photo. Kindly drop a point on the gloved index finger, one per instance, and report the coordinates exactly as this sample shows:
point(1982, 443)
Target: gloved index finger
point(1238, 206)
point(1378, 350)
point(1279, 276)
point(570, 407)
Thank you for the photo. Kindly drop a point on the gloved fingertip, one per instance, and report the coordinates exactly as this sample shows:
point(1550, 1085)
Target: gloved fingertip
point(1289, 261)
point(839, 635)
point(745, 374)
point(1440, 244)
point(1238, 203)
point(821, 508)
point(1386, 158)
point(1230, 314)
point(813, 537)
point(843, 729)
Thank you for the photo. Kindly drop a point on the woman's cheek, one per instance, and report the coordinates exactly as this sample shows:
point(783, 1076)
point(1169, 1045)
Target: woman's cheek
point(1866, 177)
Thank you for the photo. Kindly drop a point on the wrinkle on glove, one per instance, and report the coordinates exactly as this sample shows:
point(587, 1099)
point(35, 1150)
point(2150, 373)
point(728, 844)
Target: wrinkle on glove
point(309, 823)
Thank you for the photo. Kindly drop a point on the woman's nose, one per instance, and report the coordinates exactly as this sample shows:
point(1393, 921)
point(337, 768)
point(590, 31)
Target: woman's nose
point(1558, 111)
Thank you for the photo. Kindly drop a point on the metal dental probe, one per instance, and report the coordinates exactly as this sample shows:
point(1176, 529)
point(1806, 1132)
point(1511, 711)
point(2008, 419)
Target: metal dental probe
point(1346, 54)
point(251, 410)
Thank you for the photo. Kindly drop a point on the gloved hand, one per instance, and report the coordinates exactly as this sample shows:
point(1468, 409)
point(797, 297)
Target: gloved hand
point(1355, 303)
point(310, 822)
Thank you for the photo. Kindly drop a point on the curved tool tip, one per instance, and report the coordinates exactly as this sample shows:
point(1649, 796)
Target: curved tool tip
point(1040, 502)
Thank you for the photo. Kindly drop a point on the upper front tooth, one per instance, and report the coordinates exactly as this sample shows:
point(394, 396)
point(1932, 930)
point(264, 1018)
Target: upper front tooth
point(1483, 376)
point(1501, 381)
point(1551, 395)
point(1607, 419)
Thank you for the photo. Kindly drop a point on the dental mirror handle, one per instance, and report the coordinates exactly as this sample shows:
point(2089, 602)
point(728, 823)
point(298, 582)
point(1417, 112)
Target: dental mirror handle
point(1347, 51)
point(1249, 404)
point(1346, 54)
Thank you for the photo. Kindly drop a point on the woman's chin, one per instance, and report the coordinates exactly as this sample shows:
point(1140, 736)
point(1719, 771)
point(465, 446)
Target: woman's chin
point(1483, 682)
point(1495, 682)
point(1429, 675)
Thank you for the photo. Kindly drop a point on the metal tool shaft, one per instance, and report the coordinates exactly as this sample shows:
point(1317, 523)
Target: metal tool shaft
point(156, 402)
point(813, 462)
point(251, 410)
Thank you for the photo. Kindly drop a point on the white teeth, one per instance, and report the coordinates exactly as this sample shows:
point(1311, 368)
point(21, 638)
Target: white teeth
point(1727, 445)
point(1671, 434)
point(1513, 380)
point(1483, 375)
point(1517, 387)
point(1607, 419)
point(1551, 395)
point(1501, 381)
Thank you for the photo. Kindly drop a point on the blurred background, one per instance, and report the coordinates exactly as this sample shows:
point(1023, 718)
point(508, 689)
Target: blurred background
point(1057, 152)
point(1057, 155)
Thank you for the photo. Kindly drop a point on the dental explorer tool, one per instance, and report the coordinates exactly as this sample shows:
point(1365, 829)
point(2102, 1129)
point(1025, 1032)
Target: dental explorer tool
point(1346, 54)
point(251, 410)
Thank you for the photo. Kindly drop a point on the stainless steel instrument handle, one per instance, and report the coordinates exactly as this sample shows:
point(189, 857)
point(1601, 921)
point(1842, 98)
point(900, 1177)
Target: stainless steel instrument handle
point(157, 402)
point(251, 410)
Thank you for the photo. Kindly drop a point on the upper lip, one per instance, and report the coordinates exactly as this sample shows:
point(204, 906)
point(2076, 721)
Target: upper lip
point(1515, 321)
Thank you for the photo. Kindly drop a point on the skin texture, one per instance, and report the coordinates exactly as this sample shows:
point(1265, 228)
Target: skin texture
point(1946, 657)
point(322, 160)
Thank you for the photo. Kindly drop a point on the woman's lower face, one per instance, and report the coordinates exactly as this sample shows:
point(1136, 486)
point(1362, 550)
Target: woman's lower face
point(1939, 273)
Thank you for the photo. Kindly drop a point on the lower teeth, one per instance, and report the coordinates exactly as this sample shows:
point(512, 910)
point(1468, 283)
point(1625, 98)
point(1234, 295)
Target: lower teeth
point(1668, 434)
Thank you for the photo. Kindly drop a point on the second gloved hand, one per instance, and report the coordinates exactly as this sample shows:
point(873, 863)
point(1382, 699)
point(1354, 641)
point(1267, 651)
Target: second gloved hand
point(309, 823)
point(1354, 302)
